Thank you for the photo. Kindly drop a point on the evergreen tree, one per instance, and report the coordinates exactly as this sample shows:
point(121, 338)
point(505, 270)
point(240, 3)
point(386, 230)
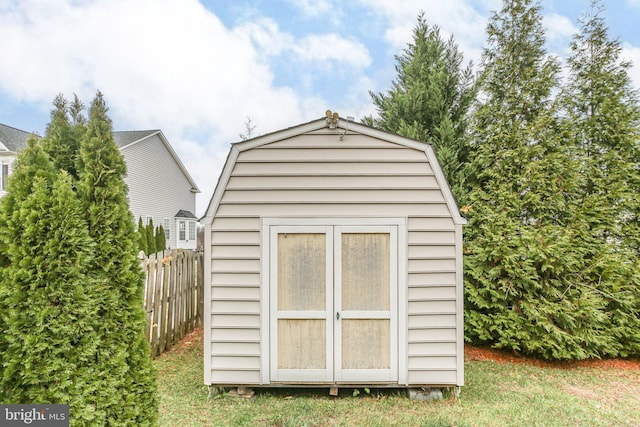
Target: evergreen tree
point(525, 254)
point(63, 134)
point(161, 241)
point(142, 237)
point(129, 392)
point(32, 163)
point(151, 238)
point(429, 100)
point(51, 303)
point(603, 119)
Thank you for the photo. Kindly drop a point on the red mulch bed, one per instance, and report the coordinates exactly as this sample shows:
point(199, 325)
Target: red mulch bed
point(502, 356)
point(471, 352)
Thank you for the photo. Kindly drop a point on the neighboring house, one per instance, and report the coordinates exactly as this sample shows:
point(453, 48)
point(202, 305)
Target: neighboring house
point(160, 187)
point(11, 141)
point(335, 256)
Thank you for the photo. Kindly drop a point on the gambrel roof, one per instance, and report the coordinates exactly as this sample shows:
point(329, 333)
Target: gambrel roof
point(342, 127)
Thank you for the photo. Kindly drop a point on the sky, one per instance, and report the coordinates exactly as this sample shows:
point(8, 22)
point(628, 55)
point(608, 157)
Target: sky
point(200, 70)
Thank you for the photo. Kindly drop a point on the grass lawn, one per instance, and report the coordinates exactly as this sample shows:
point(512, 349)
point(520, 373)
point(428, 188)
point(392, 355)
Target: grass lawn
point(499, 391)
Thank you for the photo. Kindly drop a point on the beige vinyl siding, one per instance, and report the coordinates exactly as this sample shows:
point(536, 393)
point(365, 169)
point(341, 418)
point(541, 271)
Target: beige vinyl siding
point(157, 186)
point(432, 316)
point(317, 175)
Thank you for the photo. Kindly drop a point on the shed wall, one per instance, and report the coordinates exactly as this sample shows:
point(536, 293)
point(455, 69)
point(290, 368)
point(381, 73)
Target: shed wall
point(317, 175)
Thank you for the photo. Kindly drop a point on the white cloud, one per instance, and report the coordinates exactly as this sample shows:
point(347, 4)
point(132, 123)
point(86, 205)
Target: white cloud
point(332, 47)
point(559, 27)
point(264, 32)
point(633, 3)
point(313, 8)
point(457, 18)
point(329, 48)
point(164, 64)
point(558, 30)
point(632, 53)
point(158, 62)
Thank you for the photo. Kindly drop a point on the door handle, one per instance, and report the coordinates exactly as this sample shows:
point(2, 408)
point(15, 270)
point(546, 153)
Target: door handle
point(337, 316)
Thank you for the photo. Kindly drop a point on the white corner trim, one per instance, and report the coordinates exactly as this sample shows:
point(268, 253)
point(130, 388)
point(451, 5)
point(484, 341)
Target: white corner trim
point(265, 280)
point(444, 185)
point(206, 324)
point(223, 180)
point(459, 307)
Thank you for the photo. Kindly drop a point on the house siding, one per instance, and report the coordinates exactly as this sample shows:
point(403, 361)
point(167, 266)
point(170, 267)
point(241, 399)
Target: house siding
point(318, 175)
point(156, 174)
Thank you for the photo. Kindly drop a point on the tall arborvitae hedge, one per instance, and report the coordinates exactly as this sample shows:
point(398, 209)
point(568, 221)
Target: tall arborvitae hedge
point(151, 238)
point(545, 270)
point(63, 134)
point(523, 252)
point(52, 305)
point(603, 121)
point(71, 316)
point(130, 394)
point(161, 240)
point(141, 233)
point(31, 164)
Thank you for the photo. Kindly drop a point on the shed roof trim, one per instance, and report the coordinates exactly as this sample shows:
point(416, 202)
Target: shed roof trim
point(315, 125)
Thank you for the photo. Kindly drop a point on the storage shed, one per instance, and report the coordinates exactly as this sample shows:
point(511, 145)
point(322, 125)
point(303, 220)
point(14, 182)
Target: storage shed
point(333, 257)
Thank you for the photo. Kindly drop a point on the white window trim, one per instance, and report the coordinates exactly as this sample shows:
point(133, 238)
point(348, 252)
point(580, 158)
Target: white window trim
point(181, 222)
point(191, 228)
point(166, 224)
point(3, 177)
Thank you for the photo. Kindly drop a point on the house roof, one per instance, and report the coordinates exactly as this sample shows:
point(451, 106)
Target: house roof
point(12, 139)
point(125, 139)
point(185, 214)
point(343, 126)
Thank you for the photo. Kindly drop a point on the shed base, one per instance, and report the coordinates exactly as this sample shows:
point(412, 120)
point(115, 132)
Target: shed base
point(426, 393)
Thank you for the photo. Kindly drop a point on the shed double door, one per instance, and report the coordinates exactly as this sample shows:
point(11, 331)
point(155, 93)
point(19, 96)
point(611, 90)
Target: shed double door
point(333, 304)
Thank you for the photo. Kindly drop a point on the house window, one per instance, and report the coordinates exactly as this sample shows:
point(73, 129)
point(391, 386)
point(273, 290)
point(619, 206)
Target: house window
point(3, 178)
point(167, 228)
point(148, 220)
point(182, 230)
point(192, 230)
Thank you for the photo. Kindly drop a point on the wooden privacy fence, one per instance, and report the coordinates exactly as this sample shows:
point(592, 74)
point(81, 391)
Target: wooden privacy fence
point(173, 296)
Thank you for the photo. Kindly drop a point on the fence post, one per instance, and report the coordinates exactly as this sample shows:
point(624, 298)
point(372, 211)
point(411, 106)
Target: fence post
point(149, 270)
point(157, 304)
